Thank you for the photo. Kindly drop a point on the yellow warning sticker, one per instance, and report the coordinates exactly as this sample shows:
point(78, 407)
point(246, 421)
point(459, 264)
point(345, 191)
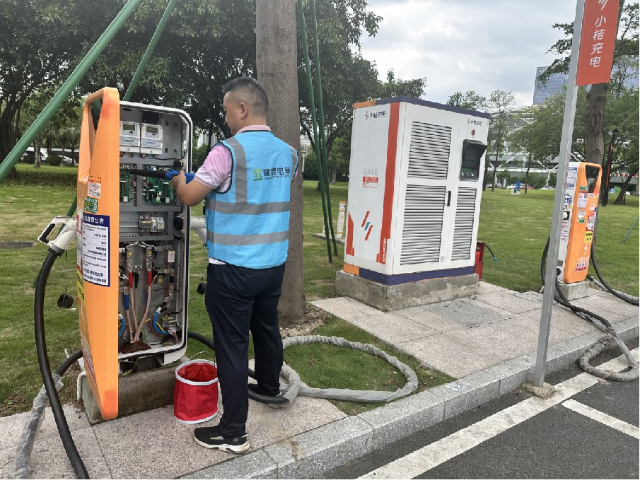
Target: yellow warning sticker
point(80, 284)
point(588, 237)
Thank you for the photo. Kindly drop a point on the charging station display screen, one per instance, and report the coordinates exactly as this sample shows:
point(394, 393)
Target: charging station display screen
point(472, 152)
point(592, 177)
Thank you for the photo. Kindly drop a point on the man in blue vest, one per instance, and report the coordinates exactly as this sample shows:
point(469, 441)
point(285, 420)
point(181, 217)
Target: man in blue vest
point(246, 183)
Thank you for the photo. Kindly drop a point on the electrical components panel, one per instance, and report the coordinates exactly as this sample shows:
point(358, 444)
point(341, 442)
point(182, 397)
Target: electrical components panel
point(130, 137)
point(153, 236)
point(151, 139)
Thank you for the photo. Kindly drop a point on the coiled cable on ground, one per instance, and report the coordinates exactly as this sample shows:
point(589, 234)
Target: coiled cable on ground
point(602, 324)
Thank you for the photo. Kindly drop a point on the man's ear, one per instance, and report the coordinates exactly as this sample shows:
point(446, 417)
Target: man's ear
point(244, 109)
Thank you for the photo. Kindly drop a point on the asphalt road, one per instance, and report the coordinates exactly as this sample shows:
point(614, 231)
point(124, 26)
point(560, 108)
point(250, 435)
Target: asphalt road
point(591, 433)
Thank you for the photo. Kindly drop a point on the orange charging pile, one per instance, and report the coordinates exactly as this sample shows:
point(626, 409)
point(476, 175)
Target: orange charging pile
point(98, 218)
point(579, 220)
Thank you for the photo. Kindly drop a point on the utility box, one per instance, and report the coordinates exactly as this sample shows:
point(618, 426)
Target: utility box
point(578, 220)
point(414, 190)
point(133, 242)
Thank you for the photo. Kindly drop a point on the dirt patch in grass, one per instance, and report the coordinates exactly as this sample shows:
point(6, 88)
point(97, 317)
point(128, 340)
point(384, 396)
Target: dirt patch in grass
point(313, 318)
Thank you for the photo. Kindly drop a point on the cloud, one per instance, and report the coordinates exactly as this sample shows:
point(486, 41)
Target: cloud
point(467, 44)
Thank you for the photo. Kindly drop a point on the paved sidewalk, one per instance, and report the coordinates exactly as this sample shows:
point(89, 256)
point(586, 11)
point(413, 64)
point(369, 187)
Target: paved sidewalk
point(487, 342)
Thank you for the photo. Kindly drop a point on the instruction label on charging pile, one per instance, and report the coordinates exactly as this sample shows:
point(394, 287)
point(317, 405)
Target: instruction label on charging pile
point(94, 187)
point(95, 249)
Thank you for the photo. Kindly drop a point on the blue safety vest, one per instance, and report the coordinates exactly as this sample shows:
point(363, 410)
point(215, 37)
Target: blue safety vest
point(248, 224)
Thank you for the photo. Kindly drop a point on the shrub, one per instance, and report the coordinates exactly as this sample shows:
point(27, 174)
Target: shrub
point(36, 176)
point(28, 158)
point(54, 160)
point(198, 156)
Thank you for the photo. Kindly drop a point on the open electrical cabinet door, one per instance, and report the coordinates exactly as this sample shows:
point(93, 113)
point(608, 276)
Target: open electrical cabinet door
point(98, 218)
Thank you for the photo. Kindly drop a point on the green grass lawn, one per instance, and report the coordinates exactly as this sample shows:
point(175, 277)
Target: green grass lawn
point(26, 168)
point(516, 228)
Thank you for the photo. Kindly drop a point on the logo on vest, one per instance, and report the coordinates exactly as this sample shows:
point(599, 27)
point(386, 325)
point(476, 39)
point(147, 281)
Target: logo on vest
point(271, 173)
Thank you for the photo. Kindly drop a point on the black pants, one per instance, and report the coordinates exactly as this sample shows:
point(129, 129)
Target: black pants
point(240, 300)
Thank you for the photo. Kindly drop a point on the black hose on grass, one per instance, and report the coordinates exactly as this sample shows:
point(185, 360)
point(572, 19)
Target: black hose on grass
point(45, 369)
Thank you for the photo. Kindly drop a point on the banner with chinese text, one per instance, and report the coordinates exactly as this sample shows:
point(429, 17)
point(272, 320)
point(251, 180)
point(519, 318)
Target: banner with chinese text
point(598, 39)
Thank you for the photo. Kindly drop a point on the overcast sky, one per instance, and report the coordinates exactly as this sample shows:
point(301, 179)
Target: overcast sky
point(480, 45)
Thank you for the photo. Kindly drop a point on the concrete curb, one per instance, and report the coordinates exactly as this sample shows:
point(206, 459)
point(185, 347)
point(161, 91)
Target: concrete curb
point(310, 454)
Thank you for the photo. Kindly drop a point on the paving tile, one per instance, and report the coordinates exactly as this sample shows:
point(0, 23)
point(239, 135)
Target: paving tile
point(251, 465)
point(6, 459)
point(468, 313)
point(467, 393)
point(563, 319)
point(508, 339)
point(396, 420)
point(153, 445)
point(310, 454)
point(429, 319)
point(267, 425)
point(455, 356)
point(392, 327)
point(49, 459)
point(608, 306)
point(345, 307)
point(484, 288)
point(507, 301)
point(12, 426)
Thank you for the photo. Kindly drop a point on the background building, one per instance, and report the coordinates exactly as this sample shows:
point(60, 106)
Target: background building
point(555, 82)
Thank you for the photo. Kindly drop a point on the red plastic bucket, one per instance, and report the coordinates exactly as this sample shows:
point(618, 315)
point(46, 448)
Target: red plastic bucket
point(195, 395)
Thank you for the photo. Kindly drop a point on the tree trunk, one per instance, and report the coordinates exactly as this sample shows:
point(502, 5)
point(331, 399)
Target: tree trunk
point(622, 196)
point(526, 175)
point(486, 171)
point(277, 72)
point(210, 132)
point(37, 154)
point(594, 120)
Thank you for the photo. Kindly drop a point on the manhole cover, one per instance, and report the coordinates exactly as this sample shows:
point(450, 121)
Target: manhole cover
point(464, 313)
point(16, 245)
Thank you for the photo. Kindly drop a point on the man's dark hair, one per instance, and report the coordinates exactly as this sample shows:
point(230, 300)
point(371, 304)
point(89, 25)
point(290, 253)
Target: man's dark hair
point(249, 91)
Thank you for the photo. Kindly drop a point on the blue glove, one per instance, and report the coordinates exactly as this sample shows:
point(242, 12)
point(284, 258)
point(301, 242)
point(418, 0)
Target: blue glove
point(169, 174)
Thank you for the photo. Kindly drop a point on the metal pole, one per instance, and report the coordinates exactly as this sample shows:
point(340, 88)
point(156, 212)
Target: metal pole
point(558, 203)
point(626, 237)
point(312, 102)
point(323, 144)
point(66, 89)
point(150, 49)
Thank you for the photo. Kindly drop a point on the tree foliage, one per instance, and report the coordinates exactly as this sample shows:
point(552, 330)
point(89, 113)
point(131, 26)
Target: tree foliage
point(500, 105)
point(625, 61)
point(205, 44)
point(469, 100)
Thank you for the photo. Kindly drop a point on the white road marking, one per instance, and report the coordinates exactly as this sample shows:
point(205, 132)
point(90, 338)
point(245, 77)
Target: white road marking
point(459, 442)
point(603, 418)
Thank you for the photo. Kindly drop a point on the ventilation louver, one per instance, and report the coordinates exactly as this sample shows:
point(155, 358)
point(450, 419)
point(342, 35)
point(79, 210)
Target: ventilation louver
point(463, 234)
point(423, 215)
point(429, 151)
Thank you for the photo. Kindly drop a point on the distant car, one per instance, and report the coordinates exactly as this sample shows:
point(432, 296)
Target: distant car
point(30, 151)
point(68, 160)
point(548, 187)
